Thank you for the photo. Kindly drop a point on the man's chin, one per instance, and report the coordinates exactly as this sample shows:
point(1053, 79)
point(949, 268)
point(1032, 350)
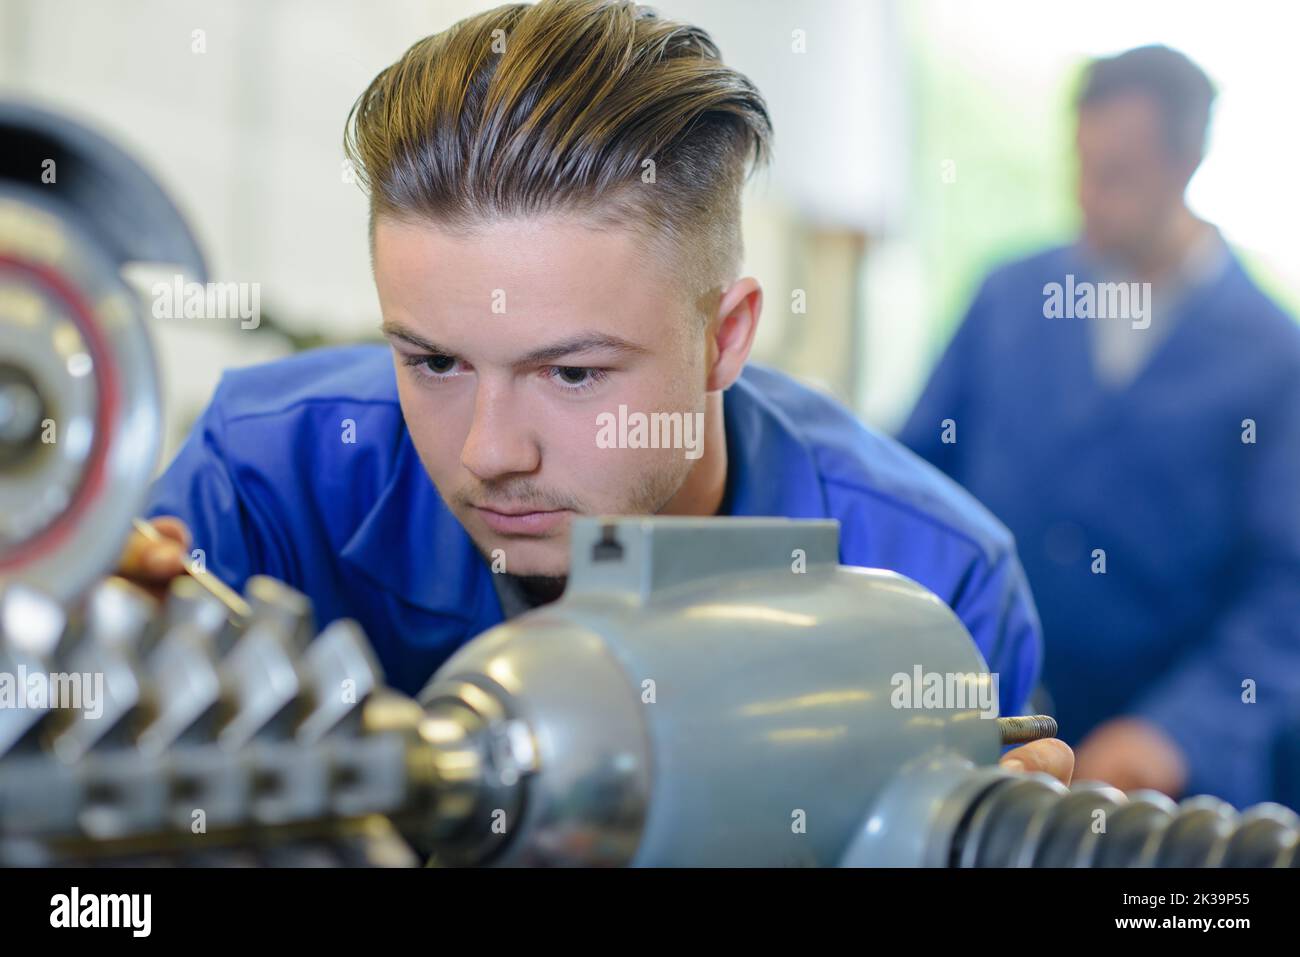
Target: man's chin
point(525, 557)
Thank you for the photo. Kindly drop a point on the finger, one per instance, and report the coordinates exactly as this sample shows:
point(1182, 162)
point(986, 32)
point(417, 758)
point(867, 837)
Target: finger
point(146, 560)
point(1095, 764)
point(1049, 756)
point(171, 527)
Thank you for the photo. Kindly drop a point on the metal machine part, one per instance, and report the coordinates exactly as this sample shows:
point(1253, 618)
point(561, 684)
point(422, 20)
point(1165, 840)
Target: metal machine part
point(178, 749)
point(942, 812)
point(752, 666)
point(712, 651)
point(80, 415)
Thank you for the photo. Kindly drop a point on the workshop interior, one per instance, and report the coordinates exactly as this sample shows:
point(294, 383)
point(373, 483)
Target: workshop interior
point(708, 690)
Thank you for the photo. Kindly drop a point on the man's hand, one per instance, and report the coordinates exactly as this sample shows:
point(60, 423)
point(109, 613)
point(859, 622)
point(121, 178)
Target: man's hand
point(1049, 755)
point(151, 565)
point(1129, 753)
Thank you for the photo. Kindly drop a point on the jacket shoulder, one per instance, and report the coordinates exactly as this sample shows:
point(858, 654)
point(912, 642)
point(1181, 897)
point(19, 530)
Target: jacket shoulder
point(857, 461)
point(317, 436)
point(345, 375)
point(1048, 265)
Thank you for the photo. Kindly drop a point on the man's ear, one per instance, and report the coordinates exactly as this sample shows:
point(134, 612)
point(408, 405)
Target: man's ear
point(732, 332)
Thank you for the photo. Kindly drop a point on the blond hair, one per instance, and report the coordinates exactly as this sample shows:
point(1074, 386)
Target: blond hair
point(587, 107)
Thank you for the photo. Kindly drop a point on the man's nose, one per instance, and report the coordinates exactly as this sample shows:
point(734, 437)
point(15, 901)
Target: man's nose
point(500, 440)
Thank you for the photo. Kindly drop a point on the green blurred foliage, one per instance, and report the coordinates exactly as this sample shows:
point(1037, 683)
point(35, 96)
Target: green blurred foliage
point(1012, 172)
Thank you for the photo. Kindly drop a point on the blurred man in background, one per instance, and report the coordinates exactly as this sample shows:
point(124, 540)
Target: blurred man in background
point(1130, 406)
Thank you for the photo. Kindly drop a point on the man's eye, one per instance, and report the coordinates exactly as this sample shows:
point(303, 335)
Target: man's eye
point(432, 365)
point(576, 378)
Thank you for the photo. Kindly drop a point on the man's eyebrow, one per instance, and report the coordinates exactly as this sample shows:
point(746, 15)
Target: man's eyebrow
point(558, 350)
point(582, 343)
point(392, 330)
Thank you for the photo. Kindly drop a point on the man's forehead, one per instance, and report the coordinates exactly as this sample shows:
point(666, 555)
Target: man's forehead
point(558, 271)
point(1126, 119)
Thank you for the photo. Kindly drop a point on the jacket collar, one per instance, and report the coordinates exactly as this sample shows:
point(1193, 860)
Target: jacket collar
point(771, 470)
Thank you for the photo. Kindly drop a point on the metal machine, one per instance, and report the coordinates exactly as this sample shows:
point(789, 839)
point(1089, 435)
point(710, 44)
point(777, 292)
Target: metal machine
point(706, 692)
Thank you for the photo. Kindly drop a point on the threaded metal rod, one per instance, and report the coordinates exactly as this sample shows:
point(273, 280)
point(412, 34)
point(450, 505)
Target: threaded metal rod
point(1030, 727)
point(1032, 821)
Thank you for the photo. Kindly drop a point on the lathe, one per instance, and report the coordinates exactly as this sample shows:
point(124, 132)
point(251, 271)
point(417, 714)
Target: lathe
point(694, 698)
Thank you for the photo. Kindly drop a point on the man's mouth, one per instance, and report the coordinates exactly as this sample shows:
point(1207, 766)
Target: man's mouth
point(520, 520)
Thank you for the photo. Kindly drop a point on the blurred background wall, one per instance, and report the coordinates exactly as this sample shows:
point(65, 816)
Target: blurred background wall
point(917, 143)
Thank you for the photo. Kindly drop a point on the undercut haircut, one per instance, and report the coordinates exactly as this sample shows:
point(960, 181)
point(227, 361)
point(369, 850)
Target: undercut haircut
point(590, 108)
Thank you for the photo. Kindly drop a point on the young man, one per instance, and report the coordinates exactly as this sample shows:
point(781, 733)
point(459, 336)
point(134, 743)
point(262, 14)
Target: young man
point(555, 199)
